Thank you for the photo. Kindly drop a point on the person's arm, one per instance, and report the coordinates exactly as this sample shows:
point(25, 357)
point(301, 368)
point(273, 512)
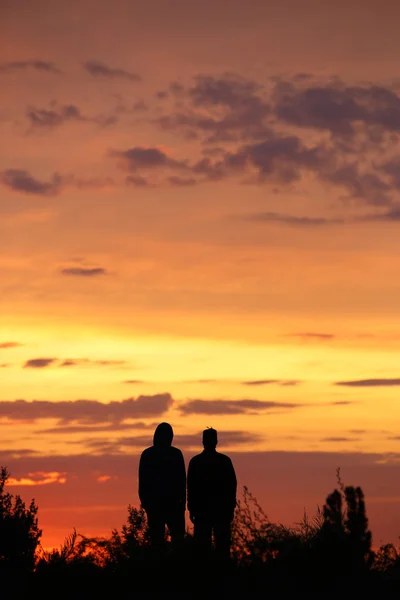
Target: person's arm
point(143, 488)
point(190, 490)
point(232, 486)
point(182, 481)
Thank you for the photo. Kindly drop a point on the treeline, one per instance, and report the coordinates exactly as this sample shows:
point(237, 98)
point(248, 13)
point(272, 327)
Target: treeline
point(319, 557)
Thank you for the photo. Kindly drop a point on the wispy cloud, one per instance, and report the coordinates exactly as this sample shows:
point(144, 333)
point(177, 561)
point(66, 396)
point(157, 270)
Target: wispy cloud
point(38, 478)
point(86, 411)
point(6, 345)
point(187, 441)
point(233, 407)
point(313, 335)
point(379, 382)
point(20, 180)
point(23, 65)
point(259, 382)
point(84, 271)
point(39, 363)
point(102, 71)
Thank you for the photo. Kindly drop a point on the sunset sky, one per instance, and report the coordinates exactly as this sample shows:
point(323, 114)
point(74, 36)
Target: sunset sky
point(199, 224)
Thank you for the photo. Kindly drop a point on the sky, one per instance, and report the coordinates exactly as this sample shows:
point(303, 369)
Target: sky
point(199, 224)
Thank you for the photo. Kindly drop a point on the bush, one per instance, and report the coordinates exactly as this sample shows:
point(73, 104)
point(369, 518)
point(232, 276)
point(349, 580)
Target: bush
point(19, 530)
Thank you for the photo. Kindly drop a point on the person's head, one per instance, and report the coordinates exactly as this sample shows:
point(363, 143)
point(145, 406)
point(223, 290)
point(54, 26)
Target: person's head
point(210, 438)
point(163, 435)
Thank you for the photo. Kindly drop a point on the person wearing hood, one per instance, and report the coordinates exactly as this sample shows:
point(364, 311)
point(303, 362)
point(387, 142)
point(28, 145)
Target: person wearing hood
point(162, 486)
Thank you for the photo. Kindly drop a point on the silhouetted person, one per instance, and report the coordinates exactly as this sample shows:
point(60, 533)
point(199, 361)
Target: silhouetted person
point(212, 496)
point(162, 486)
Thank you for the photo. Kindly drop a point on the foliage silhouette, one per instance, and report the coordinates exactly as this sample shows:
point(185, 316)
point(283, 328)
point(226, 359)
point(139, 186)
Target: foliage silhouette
point(19, 529)
point(322, 555)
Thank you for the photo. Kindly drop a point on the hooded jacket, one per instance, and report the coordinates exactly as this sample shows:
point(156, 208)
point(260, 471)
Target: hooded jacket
point(162, 473)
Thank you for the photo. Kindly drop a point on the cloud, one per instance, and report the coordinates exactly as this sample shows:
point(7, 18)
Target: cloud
point(51, 118)
point(336, 107)
point(339, 439)
point(147, 158)
point(383, 382)
point(22, 181)
point(39, 363)
point(112, 427)
point(227, 108)
point(302, 221)
point(77, 362)
point(38, 478)
point(313, 335)
point(341, 402)
point(86, 411)
point(232, 407)
point(6, 345)
point(344, 150)
point(182, 181)
point(257, 382)
point(134, 381)
point(22, 65)
point(103, 71)
point(227, 438)
point(84, 271)
point(40, 118)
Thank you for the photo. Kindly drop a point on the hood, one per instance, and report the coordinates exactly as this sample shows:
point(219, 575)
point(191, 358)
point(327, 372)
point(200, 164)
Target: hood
point(163, 435)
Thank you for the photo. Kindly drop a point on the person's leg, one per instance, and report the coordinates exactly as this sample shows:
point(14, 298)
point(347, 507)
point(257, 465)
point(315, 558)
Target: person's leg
point(176, 525)
point(202, 536)
point(156, 523)
point(222, 538)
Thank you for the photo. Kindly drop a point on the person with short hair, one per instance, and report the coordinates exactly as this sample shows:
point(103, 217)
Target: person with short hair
point(212, 489)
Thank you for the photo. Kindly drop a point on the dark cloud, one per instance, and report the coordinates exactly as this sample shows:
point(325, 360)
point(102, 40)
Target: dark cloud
point(4, 365)
point(138, 181)
point(86, 411)
point(227, 108)
point(231, 109)
point(383, 382)
point(336, 107)
point(39, 117)
point(232, 407)
point(39, 363)
point(304, 221)
point(6, 345)
point(77, 362)
point(182, 181)
point(134, 381)
point(312, 335)
point(50, 119)
point(84, 271)
point(279, 159)
point(22, 181)
point(112, 427)
point(103, 71)
point(367, 186)
point(147, 158)
point(227, 438)
point(22, 65)
point(140, 106)
point(341, 402)
point(257, 382)
point(339, 439)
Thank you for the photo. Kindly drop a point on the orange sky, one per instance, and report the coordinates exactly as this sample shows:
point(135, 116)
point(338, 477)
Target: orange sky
point(199, 213)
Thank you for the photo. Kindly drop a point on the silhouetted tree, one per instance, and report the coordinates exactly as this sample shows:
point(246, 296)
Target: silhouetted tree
point(19, 530)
